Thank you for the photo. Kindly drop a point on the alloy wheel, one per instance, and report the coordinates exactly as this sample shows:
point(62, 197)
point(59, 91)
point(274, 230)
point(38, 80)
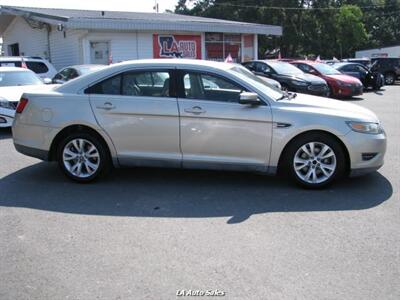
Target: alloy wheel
point(81, 158)
point(314, 162)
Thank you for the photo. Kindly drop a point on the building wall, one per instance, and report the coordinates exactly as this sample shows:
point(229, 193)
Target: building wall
point(380, 52)
point(123, 46)
point(32, 42)
point(65, 48)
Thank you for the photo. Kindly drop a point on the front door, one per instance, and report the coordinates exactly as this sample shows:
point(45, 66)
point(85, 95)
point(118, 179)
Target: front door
point(99, 53)
point(217, 131)
point(140, 115)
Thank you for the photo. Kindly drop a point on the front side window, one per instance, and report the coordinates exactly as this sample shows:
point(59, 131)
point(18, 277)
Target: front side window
point(210, 87)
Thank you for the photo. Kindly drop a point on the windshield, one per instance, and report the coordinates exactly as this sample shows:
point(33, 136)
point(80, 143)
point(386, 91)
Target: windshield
point(270, 90)
point(325, 69)
point(284, 68)
point(15, 78)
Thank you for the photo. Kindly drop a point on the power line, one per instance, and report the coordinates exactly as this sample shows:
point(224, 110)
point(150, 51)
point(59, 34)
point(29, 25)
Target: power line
point(293, 8)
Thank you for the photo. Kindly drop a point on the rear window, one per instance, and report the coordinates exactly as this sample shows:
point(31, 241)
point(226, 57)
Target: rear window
point(18, 78)
point(37, 67)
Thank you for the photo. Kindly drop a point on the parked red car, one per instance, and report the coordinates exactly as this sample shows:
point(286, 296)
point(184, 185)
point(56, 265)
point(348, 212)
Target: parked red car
point(340, 85)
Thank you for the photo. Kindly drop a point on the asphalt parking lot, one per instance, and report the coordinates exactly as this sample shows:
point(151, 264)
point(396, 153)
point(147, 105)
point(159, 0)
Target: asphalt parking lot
point(146, 233)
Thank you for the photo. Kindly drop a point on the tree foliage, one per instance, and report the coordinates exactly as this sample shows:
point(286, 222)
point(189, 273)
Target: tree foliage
point(310, 27)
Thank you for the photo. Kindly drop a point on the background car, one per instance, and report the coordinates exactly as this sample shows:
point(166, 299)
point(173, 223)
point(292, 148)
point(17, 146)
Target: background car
point(72, 72)
point(290, 77)
point(369, 79)
point(340, 85)
point(388, 66)
point(271, 82)
point(40, 66)
point(200, 114)
point(13, 83)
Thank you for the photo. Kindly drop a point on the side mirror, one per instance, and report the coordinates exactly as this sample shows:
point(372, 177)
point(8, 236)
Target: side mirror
point(249, 99)
point(47, 81)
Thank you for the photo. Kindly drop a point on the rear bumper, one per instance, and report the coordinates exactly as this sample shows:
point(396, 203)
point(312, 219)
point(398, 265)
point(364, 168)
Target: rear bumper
point(33, 152)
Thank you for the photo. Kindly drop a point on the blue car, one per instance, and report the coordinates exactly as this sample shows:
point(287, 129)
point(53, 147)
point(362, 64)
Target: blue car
point(369, 79)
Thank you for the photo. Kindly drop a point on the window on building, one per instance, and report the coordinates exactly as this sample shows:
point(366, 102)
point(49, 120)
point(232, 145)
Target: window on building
point(220, 45)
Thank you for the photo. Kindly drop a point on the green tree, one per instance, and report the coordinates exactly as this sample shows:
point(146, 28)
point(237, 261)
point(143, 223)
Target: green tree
point(350, 29)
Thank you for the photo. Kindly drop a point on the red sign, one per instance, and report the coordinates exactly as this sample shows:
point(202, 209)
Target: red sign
point(172, 46)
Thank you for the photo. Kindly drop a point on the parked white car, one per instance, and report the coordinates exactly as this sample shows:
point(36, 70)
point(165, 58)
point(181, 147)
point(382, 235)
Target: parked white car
point(40, 66)
point(72, 72)
point(195, 114)
point(13, 83)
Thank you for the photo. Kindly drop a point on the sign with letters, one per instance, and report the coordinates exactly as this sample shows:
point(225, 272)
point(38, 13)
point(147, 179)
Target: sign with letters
point(176, 46)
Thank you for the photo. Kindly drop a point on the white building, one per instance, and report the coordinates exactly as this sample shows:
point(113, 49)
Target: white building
point(379, 52)
point(68, 37)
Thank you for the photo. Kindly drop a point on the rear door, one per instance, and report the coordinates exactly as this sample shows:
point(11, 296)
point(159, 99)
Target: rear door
point(138, 110)
point(217, 131)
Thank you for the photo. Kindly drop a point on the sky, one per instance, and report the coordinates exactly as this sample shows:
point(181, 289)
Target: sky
point(120, 5)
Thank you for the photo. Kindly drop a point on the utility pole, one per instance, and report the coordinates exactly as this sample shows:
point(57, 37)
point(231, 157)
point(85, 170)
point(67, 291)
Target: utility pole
point(155, 7)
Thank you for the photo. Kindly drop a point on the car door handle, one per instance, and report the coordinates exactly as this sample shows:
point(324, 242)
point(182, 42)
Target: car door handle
point(195, 110)
point(106, 106)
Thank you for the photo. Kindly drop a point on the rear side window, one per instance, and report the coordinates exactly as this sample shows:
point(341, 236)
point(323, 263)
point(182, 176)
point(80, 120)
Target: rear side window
point(37, 67)
point(147, 84)
point(110, 86)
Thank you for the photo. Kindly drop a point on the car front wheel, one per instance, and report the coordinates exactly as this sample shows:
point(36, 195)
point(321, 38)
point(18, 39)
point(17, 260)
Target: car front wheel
point(83, 157)
point(389, 78)
point(315, 160)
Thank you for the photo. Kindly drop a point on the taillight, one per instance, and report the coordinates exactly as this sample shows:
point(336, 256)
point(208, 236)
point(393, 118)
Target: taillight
point(21, 105)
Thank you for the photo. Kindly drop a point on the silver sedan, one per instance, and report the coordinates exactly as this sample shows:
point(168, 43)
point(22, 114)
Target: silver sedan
point(195, 114)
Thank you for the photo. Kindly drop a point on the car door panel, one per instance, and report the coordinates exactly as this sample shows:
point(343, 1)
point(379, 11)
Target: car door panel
point(224, 134)
point(144, 129)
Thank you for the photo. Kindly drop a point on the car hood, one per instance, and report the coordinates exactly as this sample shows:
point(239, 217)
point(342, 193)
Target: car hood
point(14, 93)
point(327, 106)
point(303, 77)
point(344, 78)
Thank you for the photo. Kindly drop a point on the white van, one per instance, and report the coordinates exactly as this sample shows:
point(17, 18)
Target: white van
point(40, 66)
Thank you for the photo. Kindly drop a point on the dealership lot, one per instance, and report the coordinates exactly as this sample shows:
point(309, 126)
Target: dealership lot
point(146, 233)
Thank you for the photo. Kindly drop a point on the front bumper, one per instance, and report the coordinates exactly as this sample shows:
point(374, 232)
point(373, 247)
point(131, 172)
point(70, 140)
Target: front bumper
point(316, 90)
point(348, 91)
point(366, 151)
point(5, 121)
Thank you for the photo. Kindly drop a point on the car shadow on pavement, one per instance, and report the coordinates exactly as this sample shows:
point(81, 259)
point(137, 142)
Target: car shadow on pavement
point(5, 133)
point(170, 193)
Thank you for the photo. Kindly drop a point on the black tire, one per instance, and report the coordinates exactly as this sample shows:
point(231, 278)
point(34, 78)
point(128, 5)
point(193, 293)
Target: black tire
point(104, 165)
point(390, 78)
point(288, 166)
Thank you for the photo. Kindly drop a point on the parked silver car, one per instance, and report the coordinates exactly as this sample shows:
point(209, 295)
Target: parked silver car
point(195, 114)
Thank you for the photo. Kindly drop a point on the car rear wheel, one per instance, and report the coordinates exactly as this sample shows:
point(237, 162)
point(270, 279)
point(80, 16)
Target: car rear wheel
point(315, 160)
point(83, 157)
point(389, 78)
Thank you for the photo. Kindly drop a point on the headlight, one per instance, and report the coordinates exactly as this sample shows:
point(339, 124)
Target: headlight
point(365, 127)
point(301, 83)
point(344, 84)
point(6, 104)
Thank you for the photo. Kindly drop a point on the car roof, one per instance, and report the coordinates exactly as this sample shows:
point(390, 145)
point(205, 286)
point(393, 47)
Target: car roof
point(14, 69)
point(176, 61)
